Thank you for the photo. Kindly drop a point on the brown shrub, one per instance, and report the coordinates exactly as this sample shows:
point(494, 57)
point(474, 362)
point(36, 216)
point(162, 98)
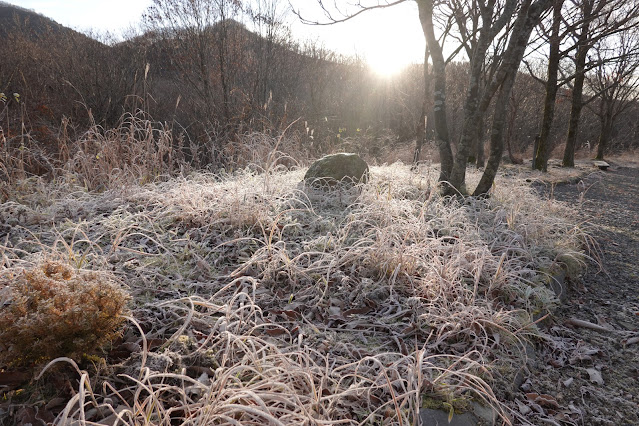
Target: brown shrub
point(54, 310)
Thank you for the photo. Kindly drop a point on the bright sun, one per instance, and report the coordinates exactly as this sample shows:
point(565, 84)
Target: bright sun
point(389, 49)
point(388, 39)
point(388, 62)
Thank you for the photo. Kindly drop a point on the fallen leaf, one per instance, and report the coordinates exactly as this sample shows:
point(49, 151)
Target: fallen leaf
point(358, 311)
point(55, 402)
point(408, 330)
point(275, 331)
point(523, 408)
point(556, 363)
point(45, 416)
point(155, 343)
point(292, 314)
point(544, 400)
point(595, 376)
point(27, 415)
point(335, 311)
point(132, 347)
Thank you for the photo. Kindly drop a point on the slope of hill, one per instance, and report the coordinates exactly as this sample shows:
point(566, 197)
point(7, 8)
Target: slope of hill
point(27, 21)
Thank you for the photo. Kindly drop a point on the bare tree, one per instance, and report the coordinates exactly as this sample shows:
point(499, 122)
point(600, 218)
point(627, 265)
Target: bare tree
point(575, 26)
point(268, 22)
point(422, 126)
point(614, 81)
point(476, 40)
point(426, 9)
point(507, 23)
point(517, 102)
point(540, 156)
point(528, 17)
point(599, 19)
point(187, 26)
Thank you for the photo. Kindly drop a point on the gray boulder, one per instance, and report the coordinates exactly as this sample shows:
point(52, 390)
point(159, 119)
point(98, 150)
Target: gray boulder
point(342, 168)
point(478, 415)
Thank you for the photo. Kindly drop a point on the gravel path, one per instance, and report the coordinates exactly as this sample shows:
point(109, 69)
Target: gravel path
point(591, 377)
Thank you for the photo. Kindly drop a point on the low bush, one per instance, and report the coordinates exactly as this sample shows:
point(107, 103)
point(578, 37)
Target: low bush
point(53, 310)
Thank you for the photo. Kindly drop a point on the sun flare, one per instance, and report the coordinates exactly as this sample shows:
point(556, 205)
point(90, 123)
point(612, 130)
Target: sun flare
point(388, 53)
point(388, 63)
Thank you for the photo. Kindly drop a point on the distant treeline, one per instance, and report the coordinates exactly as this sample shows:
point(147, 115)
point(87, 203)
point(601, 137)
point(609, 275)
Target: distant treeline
point(228, 78)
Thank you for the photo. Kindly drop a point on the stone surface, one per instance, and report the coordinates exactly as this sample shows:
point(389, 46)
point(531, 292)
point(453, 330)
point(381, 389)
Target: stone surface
point(430, 417)
point(337, 168)
point(479, 415)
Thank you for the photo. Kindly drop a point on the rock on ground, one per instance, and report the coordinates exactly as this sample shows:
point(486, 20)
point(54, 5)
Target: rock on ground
point(337, 168)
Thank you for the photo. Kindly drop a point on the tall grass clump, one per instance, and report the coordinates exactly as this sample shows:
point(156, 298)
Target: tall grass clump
point(136, 151)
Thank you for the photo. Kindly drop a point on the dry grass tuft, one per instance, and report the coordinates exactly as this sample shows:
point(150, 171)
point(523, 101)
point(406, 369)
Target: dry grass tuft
point(137, 151)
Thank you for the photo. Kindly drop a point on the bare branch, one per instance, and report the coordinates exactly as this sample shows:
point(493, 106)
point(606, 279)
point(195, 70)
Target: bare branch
point(331, 19)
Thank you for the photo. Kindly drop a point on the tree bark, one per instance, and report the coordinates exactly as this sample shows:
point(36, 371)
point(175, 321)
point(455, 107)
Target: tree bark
point(473, 115)
point(604, 136)
point(575, 108)
point(422, 126)
point(578, 86)
point(496, 138)
point(481, 156)
point(509, 133)
point(528, 17)
point(439, 87)
point(540, 156)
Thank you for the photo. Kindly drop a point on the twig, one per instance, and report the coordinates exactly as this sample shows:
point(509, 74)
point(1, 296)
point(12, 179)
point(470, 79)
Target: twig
point(631, 341)
point(587, 324)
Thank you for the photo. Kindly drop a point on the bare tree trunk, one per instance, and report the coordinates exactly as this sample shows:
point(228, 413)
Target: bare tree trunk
point(604, 136)
point(575, 108)
point(496, 138)
point(472, 113)
point(540, 156)
point(439, 86)
point(422, 126)
point(578, 86)
point(512, 118)
point(481, 156)
point(529, 16)
point(472, 116)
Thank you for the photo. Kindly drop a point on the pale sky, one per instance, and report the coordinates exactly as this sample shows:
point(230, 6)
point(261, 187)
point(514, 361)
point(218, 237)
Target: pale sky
point(389, 39)
point(102, 15)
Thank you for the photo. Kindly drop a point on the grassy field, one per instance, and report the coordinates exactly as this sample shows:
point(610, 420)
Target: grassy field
point(254, 299)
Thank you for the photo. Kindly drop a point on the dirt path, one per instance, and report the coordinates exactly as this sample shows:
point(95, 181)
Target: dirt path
point(593, 375)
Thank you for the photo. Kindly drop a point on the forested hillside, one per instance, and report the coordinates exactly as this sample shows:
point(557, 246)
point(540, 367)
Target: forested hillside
point(246, 73)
